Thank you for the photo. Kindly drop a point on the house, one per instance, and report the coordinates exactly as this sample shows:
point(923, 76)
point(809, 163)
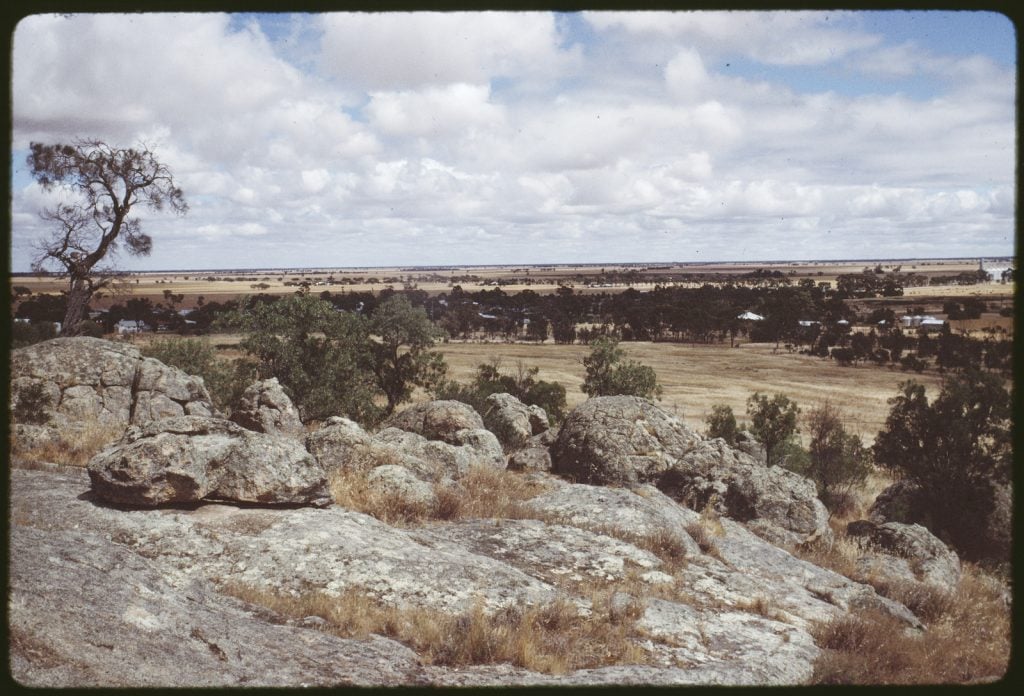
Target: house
point(750, 316)
point(925, 320)
point(130, 326)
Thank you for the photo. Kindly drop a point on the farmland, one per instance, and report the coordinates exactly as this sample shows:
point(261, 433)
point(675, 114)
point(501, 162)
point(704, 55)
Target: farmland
point(220, 285)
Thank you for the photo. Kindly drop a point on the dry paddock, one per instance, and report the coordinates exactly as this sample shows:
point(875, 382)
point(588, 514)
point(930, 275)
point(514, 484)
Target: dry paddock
point(697, 377)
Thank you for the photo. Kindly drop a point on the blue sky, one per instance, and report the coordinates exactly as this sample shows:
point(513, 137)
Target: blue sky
point(477, 138)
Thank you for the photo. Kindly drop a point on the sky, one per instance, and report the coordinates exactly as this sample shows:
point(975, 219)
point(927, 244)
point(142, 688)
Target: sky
point(435, 139)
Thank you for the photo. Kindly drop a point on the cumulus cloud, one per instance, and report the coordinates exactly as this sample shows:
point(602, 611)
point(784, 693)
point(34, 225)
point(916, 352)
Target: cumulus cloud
point(778, 38)
point(379, 139)
point(399, 50)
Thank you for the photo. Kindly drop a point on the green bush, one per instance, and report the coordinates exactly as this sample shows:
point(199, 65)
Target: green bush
point(722, 423)
point(957, 449)
point(88, 327)
point(225, 379)
point(836, 460)
point(32, 405)
point(608, 375)
point(320, 356)
point(773, 423)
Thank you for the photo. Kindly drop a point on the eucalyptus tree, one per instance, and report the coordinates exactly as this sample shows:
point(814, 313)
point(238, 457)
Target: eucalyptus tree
point(93, 221)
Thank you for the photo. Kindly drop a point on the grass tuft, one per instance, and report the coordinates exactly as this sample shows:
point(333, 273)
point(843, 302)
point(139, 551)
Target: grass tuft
point(484, 492)
point(967, 640)
point(72, 447)
point(552, 638)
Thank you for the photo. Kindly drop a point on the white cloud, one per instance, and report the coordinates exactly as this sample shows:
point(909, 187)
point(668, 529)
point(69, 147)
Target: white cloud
point(483, 138)
point(434, 111)
point(403, 50)
point(777, 38)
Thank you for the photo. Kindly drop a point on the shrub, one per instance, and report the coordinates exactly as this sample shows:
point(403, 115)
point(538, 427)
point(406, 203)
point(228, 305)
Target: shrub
point(722, 423)
point(608, 375)
point(225, 380)
point(967, 641)
point(88, 327)
point(957, 449)
point(836, 461)
point(321, 357)
point(912, 362)
point(773, 422)
point(32, 405)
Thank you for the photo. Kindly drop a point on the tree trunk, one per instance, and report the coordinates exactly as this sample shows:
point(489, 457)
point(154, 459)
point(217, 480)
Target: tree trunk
point(78, 300)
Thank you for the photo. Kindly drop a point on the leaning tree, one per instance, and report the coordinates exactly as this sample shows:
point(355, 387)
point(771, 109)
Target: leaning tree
point(102, 183)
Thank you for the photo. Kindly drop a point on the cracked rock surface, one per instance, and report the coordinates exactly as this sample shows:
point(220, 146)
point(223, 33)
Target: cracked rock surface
point(105, 596)
point(92, 380)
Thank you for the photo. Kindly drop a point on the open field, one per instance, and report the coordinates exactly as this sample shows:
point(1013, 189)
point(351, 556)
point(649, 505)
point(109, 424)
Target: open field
point(216, 285)
point(695, 378)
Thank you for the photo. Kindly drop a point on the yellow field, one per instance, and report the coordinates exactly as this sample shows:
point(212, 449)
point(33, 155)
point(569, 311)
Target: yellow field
point(695, 378)
point(226, 285)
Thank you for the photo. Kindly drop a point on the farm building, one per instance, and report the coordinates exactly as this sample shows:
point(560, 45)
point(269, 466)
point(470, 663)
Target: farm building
point(130, 326)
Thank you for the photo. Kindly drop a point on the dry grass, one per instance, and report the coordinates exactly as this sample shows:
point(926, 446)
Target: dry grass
point(73, 446)
point(967, 635)
point(697, 377)
point(553, 638)
point(706, 528)
point(967, 642)
point(762, 606)
point(484, 492)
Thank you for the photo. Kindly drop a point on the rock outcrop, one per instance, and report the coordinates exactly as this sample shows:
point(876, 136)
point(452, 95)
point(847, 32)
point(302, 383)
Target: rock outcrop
point(437, 420)
point(624, 440)
point(343, 445)
point(108, 597)
point(89, 612)
point(620, 440)
point(265, 408)
point(191, 458)
point(512, 421)
point(905, 553)
point(82, 381)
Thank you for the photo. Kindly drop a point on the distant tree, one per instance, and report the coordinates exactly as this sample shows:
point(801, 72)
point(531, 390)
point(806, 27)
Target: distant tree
point(537, 329)
point(320, 356)
point(608, 374)
point(523, 384)
point(837, 460)
point(402, 358)
point(773, 423)
point(225, 379)
point(722, 423)
point(103, 184)
point(957, 448)
point(43, 308)
point(25, 333)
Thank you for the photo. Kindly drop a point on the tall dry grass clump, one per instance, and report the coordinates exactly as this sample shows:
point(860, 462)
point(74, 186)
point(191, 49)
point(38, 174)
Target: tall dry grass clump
point(967, 640)
point(73, 446)
point(489, 493)
point(483, 492)
point(552, 638)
